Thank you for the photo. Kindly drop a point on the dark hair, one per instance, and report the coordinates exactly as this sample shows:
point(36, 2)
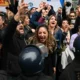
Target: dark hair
point(32, 8)
point(51, 17)
point(65, 20)
point(4, 17)
point(68, 4)
point(50, 42)
point(42, 25)
point(72, 9)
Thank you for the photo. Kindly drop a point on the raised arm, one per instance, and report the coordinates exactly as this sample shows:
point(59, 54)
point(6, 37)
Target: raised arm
point(8, 32)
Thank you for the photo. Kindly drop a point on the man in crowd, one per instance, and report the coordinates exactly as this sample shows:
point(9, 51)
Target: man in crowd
point(72, 71)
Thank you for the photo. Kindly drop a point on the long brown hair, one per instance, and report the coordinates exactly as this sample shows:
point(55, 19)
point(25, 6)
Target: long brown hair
point(51, 17)
point(50, 42)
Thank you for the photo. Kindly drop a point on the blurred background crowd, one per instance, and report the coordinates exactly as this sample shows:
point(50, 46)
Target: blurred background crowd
point(58, 30)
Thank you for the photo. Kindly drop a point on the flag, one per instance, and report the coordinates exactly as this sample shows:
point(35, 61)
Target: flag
point(3, 3)
point(62, 2)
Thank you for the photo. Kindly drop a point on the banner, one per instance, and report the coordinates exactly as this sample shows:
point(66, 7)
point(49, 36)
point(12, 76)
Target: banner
point(62, 2)
point(3, 3)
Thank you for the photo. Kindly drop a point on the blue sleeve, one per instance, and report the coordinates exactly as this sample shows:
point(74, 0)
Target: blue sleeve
point(34, 20)
point(58, 36)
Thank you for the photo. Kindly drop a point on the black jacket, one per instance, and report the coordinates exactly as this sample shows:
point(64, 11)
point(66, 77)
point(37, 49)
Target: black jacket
point(12, 46)
point(49, 63)
point(41, 76)
point(72, 71)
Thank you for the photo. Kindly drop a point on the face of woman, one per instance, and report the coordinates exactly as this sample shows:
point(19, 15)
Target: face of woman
point(42, 34)
point(26, 20)
point(52, 22)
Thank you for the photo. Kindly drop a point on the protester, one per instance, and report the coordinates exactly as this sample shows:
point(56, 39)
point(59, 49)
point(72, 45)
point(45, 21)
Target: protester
point(57, 33)
point(72, 70)
point(77, 22)
point(72, 17)
point(65, 33)
point(10, 48)
point(42, 35)
point(55, 30)
point(21, 26)
point(28, 30)
point(31, 11)
point(36, 16)
point(59, 16)
point(73, 38)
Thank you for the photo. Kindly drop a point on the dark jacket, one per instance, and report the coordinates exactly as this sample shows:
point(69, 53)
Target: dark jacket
point(77, 23)
point(34, 20)
point(49, 62)
point(72, 71)
point(64, 16)
point(40, 76)
point(12, 46)
point(59, 19)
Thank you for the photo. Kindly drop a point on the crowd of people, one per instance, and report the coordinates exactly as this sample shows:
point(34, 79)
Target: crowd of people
point(58, 31)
